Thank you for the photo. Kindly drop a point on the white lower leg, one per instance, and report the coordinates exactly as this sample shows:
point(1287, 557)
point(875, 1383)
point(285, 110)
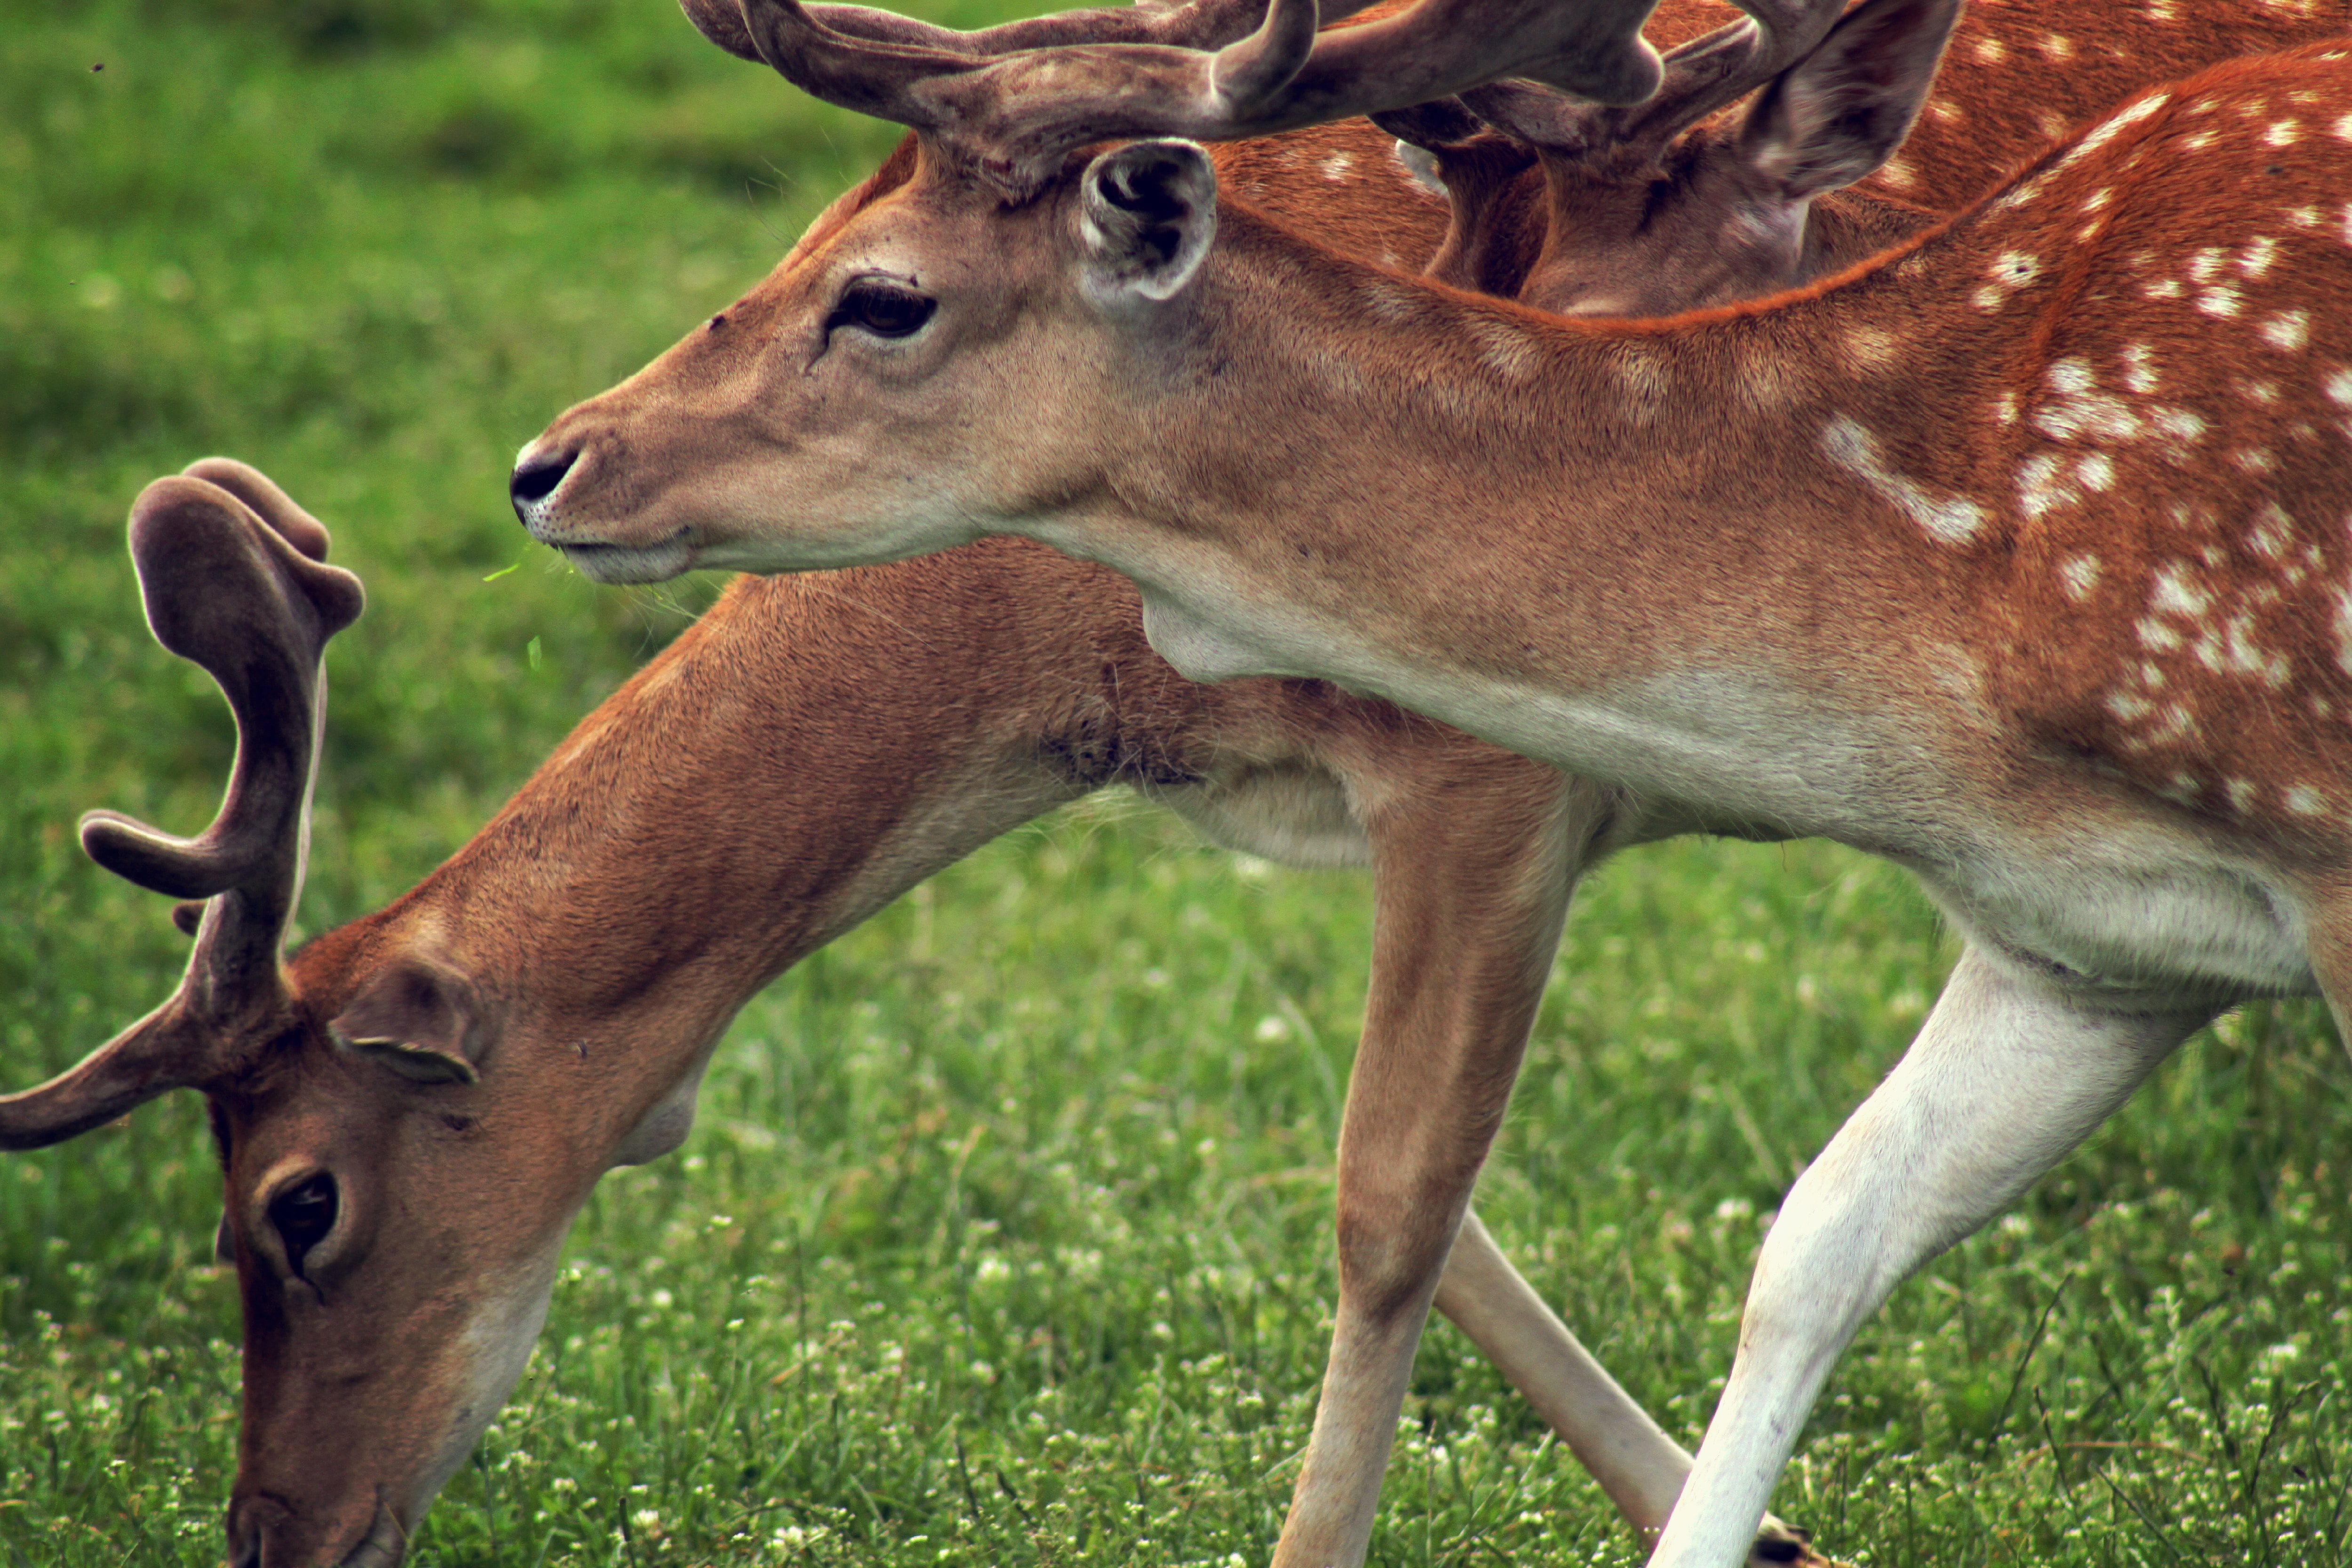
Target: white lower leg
point(2007, 1076)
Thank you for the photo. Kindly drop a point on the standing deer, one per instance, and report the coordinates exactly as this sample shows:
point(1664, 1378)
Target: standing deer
point(2015, 555)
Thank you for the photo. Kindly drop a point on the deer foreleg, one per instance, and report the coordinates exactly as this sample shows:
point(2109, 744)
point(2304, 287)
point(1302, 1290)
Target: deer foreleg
point(1472, 877)
point(2006, 1077)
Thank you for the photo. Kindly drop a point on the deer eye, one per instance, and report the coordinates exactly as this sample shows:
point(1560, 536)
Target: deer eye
point(886, 308)
point(304, 1213)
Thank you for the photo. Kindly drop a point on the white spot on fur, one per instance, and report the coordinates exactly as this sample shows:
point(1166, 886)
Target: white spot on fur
point(2283, 133)
point(1645, 380)
point(1507, 349)
point(2082, 576)
point(2255, 259)
point(2176, 595)
point(2221, 300)
point(1954, 520)
point(1992, 50)
point(2038, 490)
point(2010, 271)
point(2273, 531)
point(1871, 348)
point(1337, 165)
point(2130, 114)
point(2288, 331)
point(2305, 801)
point(2242, 794)
point(2139, 373)
point(2339, 388)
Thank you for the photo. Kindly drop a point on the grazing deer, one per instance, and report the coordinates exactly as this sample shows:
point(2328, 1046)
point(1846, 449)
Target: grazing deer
point(2015, 555)
point(540, 1008)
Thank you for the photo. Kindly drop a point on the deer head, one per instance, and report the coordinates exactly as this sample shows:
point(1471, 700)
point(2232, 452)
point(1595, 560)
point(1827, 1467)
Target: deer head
point(841, 404)
point(395, 1190)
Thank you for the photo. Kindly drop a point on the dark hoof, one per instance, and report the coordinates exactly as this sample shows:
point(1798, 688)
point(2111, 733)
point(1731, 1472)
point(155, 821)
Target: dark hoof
point(1779, 1544)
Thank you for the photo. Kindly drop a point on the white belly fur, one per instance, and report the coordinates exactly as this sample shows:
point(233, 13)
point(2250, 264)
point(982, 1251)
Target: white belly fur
point(2133, 910)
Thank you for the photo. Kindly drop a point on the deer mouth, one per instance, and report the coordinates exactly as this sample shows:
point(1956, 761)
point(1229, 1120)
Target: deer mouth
point(620, 563)
point(383, 1547)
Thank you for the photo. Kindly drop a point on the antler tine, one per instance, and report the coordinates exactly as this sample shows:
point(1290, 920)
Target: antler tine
point(234, 578)
point(228, 592)
point(1024, 109)
point(1188, 23)
point(1021, 112)
point(1700, 77)
point(162, 1051)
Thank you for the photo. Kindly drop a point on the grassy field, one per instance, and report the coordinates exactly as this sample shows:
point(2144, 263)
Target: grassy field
point(1004, 1236)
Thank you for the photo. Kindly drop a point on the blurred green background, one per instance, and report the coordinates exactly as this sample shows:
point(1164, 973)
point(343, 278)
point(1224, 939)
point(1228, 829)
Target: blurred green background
point(1006, 1234)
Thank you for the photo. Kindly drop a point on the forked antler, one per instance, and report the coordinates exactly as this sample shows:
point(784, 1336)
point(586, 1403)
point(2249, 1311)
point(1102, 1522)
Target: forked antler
point(234, 578)
point(1059, 84)
point(1699, 78)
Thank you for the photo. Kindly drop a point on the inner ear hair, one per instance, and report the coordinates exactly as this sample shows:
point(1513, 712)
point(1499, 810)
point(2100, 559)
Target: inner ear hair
point(417, 1017)
point(1151, 211)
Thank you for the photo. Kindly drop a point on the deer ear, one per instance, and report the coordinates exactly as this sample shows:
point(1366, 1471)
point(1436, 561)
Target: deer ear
point(1148, 212)
point(418, 1019)
point(1839, 113)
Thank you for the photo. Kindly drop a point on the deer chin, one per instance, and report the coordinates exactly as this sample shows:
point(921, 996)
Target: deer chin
point(624, 563)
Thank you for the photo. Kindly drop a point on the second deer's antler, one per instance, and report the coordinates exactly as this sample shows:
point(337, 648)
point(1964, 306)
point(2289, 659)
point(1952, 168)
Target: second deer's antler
point(234, 578)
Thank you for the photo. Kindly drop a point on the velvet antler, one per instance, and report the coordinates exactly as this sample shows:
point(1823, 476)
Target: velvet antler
point(234, 578)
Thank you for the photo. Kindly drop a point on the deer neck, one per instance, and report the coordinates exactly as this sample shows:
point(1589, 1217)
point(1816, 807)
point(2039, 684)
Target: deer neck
point(1744, 535)
point(806, 752)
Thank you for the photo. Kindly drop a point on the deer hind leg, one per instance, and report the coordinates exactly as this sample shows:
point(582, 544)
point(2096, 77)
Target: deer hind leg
point(1639, 1467)
point(1472, 868)
point(2005, 1079)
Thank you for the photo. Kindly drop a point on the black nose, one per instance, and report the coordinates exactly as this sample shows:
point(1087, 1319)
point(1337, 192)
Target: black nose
point(536, 479)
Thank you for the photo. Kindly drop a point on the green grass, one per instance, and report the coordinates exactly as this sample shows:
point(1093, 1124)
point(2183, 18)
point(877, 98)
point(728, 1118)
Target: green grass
point(1004, 1234)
